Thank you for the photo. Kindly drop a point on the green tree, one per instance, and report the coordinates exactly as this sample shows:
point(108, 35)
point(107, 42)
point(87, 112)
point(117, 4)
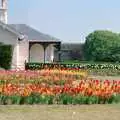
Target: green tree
point(102, 46)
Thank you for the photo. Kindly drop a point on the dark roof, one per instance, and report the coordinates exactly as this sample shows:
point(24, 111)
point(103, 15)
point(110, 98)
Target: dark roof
point(31, 33)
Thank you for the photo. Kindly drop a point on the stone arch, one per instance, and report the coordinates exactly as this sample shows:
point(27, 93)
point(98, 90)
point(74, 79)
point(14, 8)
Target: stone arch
point(36, 53)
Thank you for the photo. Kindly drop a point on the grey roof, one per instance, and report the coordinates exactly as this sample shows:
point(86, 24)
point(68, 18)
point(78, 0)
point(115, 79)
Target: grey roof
point(32, 33)
point(9, 28)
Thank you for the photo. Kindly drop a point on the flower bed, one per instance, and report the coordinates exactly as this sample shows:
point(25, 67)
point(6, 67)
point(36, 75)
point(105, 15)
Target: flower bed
point(55, 87)
point(40, 76)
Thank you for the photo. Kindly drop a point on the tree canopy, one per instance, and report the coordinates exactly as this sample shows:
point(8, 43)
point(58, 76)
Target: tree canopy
point(102, 45)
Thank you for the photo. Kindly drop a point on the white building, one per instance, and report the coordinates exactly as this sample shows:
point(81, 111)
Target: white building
point(28, 44)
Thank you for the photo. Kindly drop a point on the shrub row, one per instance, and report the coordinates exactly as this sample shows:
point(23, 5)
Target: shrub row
point(36, 66)
point(61, 99)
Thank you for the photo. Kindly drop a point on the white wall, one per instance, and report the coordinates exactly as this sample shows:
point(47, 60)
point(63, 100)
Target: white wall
point(22, 53)
point(36, 53)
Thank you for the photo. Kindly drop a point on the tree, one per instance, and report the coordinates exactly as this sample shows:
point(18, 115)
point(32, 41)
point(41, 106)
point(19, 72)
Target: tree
point(102, 46)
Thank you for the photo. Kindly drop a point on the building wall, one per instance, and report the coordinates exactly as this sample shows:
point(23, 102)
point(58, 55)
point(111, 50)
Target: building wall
point(22, 53)
point(72, 51)
point(66, 55)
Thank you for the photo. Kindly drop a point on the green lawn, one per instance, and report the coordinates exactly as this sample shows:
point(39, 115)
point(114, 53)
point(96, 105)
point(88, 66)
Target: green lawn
point(60, 112)
point(85, 62)
point(105, 77)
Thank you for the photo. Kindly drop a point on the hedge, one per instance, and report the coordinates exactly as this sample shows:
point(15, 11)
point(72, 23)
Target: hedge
point(37, 66)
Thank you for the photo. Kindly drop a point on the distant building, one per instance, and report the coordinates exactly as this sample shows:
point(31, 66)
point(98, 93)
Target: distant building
point(72, 51)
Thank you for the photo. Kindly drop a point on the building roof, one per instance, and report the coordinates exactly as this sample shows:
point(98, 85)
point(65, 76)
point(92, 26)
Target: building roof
point(9, 28)
point(32, 33)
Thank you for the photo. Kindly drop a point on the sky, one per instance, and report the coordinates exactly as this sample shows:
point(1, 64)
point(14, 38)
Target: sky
point(68, 20)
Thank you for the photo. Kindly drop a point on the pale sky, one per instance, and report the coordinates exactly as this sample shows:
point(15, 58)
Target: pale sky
point(68, 20)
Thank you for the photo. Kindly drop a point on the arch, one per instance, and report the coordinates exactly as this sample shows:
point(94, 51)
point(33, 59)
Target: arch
point(49, 53)
point(36, 53)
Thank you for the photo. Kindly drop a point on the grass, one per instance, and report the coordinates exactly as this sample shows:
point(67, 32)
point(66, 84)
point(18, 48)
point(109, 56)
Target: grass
point(103, 72)
point(105, 77)
point(55, 112)
point(86, 62)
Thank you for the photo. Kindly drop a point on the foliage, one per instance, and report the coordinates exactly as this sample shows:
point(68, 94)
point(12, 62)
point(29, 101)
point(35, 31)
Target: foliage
point(62, 99)
point(5, 56)
point(102, 46)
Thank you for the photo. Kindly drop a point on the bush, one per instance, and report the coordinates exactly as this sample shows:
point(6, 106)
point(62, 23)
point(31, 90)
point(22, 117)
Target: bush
point(5, 56)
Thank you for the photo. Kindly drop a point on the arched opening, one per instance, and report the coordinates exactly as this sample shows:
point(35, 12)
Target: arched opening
point(36, 53)
point(49, 53)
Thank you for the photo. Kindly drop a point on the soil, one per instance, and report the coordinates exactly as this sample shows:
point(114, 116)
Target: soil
point(60, 112)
